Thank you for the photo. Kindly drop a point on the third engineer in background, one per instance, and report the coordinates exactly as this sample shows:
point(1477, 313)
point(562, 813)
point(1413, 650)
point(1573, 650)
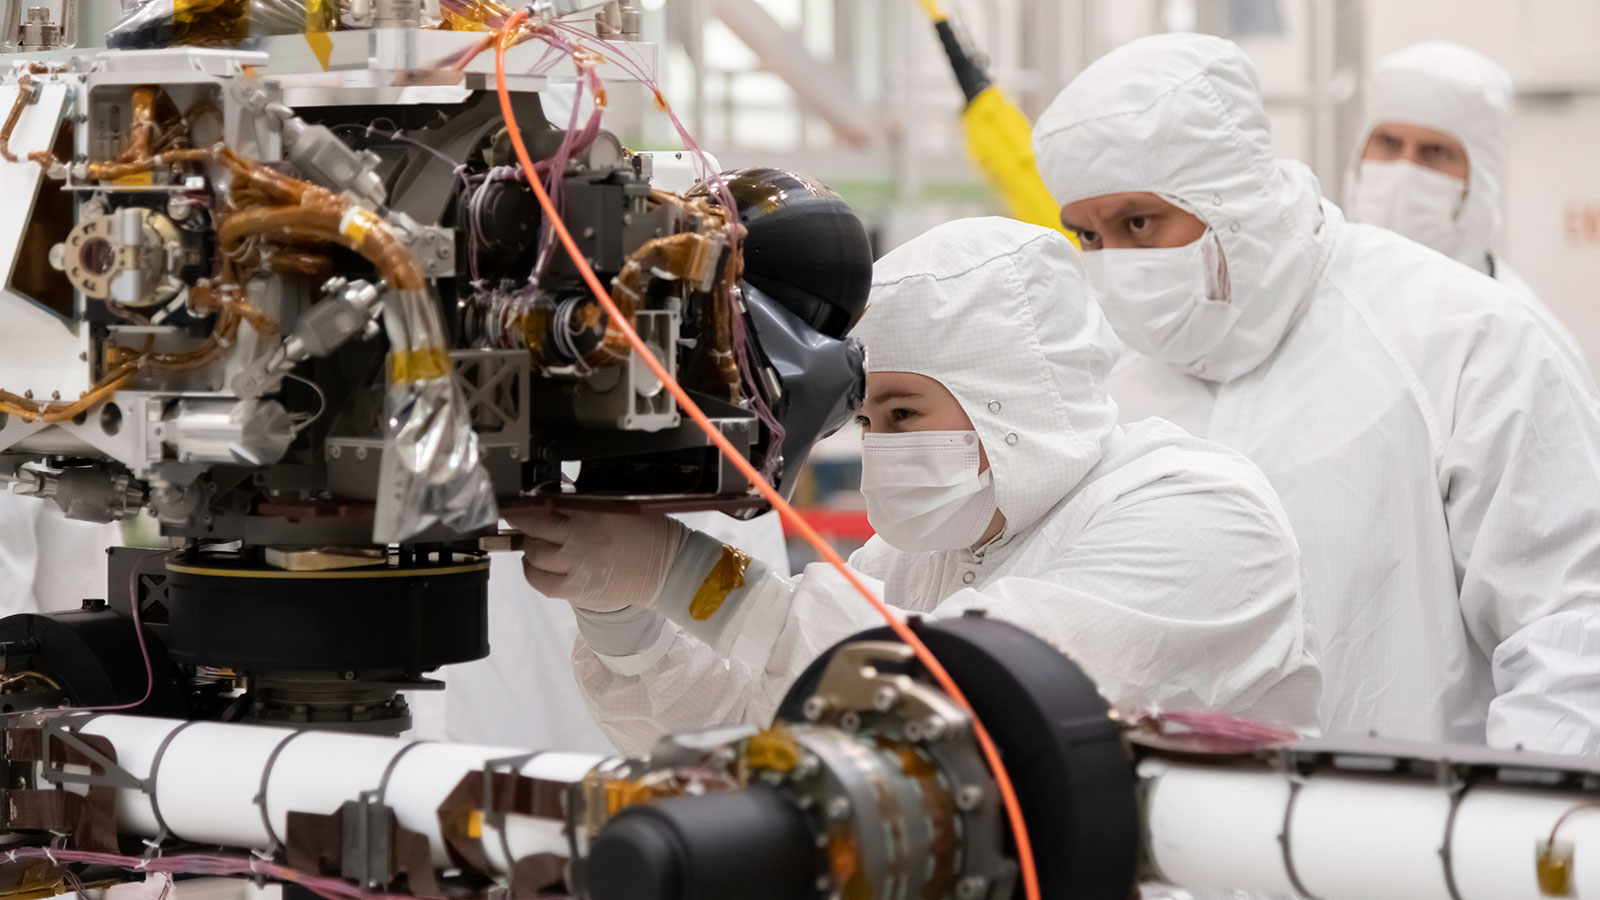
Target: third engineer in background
point(1432, 159)
point(1435, 448)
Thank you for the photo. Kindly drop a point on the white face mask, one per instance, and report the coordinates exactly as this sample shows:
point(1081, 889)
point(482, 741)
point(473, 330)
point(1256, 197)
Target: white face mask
point(924, 490)
point(1160, 300)
point(1410, 200)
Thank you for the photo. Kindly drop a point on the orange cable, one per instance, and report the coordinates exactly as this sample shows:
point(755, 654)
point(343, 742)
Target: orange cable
point(1008, 794)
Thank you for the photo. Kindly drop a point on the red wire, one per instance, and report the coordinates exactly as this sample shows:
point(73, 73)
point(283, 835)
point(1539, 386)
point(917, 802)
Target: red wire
point(1008, 794)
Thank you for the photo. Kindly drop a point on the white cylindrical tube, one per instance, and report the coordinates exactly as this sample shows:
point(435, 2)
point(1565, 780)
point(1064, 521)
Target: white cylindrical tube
point(1212, 827)
point(1497, 832)
point(209, 777)
point(1354, 837)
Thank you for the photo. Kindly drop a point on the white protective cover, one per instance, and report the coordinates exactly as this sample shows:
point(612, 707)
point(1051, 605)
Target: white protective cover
point(48, 562)
point(1461, 92)
point(1161, 563)
point(1437, 452)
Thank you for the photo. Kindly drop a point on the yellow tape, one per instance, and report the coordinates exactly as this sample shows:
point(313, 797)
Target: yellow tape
point(407, 366)
point(1553, 868)
point(356, 222)
point(999, 139)
point(724, 578)
point(319, 21)
point(772, 751)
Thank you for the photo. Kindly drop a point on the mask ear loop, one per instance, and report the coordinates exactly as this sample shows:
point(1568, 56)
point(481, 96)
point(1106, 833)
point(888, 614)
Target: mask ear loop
point(1218, 286)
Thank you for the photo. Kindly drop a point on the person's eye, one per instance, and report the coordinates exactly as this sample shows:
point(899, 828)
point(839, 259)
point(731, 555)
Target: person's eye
point(1137, 224)
point(901, 414)
point(863, 421)
point(1085, 236)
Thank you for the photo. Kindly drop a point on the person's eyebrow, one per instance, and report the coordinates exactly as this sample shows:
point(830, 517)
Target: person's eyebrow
point(893, 394)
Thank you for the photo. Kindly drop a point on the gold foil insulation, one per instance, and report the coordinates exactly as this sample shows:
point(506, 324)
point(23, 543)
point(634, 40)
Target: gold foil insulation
point(725, 577)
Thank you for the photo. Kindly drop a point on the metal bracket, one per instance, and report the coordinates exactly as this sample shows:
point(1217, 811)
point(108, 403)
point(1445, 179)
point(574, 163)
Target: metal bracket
point(369, 831)
point(1457, 787)
point(1296, 782)
point(855, 682)
point(113, 775)
point(512, 766)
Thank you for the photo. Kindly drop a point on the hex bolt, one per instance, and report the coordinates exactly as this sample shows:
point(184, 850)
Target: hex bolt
point(968, 797)
point(850, 721)
point(885, 699)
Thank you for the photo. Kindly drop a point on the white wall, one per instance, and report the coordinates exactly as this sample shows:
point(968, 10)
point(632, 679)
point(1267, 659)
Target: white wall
point(1552, 233)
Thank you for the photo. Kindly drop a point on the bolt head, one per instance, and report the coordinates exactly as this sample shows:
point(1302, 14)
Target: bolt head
point(839, 809)
point(885, 699)
point(814, 707)
point(968, 797)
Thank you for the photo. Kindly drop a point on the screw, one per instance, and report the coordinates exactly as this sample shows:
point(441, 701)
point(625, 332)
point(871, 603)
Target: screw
point(349, 676)
point(850, 721)
point(807, 767)
point(885, 699)
point(933, 727)
point(968, 797)
point(814, 707)
point(839, 808)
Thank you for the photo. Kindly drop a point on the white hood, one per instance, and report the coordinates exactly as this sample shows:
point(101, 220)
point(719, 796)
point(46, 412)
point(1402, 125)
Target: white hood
point(999, 312)
point(1464, 94)
point(1180, 115)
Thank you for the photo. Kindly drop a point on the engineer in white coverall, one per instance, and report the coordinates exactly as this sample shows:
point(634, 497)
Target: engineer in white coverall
point(523, 693)
point(1431, 164)
point(1438, 454)
point(997, 479)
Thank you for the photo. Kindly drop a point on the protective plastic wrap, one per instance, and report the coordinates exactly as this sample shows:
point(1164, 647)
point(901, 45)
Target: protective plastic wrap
point(148, 24)
point(430, 471)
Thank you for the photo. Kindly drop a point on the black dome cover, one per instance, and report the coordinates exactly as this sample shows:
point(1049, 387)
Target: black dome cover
point(804, 248)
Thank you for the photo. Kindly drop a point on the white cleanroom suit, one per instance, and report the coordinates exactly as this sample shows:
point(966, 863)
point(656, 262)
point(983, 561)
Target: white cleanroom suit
point(523, 693)
point(1163, 564)
point(1436, 451)
point(1458, 91)
point(48, 562)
